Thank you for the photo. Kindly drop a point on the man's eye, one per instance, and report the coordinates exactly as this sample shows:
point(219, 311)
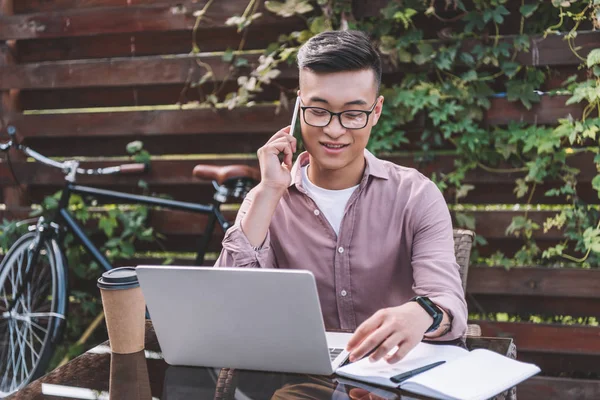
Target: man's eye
point(353, 115)
point(318, 113)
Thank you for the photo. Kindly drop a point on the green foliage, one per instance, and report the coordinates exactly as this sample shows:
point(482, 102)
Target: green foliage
point(446, 89)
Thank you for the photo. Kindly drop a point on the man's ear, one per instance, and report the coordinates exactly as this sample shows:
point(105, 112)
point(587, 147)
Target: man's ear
point(298, 92)
point(377, 110)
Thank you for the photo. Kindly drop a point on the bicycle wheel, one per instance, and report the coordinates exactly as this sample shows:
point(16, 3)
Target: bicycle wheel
point(30, 331)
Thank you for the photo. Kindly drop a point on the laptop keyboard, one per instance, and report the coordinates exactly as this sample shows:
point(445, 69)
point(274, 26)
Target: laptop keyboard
point(333, 353)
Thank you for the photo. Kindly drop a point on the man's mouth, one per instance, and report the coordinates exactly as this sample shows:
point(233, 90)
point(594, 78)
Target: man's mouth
point(333, 146)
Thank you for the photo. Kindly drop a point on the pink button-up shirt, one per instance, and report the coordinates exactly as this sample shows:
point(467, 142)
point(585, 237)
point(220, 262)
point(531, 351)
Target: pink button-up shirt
point(395, 242)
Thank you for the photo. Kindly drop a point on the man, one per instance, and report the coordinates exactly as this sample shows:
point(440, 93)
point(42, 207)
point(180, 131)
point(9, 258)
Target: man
point(374, 234)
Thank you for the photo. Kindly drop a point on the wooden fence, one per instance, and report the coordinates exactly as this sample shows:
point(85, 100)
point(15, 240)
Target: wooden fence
point(87, 55)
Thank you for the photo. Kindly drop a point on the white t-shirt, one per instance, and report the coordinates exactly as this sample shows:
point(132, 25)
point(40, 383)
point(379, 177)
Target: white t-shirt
point(332, 203)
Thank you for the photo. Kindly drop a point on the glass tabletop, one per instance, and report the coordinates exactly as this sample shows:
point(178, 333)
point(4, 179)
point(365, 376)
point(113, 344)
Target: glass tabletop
point(98, 374)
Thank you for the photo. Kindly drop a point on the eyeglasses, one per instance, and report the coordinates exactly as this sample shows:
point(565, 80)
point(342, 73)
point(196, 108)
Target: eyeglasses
point(349, 119)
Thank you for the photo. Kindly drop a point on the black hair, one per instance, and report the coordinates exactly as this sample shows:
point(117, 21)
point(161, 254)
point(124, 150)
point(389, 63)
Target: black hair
point(339, 51)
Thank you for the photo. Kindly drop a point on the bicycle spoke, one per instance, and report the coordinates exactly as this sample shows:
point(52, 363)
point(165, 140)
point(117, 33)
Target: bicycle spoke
point(24, 337)
point(29, 326)
point(39, 327)
point(23, 341)
point(19, 364)
point(12, 345)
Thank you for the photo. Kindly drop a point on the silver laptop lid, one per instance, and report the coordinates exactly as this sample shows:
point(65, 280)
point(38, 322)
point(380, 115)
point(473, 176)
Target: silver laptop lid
point(262, 319)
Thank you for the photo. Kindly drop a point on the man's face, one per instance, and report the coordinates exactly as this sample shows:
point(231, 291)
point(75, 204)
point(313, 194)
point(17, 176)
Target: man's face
point(334, 147)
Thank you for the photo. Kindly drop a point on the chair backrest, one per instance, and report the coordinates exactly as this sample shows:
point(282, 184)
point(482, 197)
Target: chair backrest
point(463, 242)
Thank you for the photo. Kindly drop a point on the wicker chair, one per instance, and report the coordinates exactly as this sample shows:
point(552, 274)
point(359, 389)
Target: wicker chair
point(463, 242)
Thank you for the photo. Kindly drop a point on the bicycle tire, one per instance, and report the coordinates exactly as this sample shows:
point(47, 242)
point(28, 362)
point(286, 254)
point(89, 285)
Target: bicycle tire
point(39, 314)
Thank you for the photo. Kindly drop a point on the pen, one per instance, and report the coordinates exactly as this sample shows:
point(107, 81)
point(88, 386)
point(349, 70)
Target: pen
point(409, 374)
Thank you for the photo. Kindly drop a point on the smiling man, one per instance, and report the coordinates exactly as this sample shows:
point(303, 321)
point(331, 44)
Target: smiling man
point(377, 236)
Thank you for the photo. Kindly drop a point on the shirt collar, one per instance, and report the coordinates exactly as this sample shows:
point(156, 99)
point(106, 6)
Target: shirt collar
point(375, 167)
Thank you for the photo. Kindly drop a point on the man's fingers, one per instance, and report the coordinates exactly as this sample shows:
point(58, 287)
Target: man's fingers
point(285, 132)
point(281, 145)
point(288, 156)
point(372, 323)
point(388, 344)
point(371, 342)
point(403, 349)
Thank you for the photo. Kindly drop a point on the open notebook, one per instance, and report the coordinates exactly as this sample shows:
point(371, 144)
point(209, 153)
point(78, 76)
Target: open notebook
point(478, 374)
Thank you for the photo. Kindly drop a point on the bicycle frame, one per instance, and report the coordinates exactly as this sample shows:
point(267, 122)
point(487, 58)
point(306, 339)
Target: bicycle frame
point(213, 211)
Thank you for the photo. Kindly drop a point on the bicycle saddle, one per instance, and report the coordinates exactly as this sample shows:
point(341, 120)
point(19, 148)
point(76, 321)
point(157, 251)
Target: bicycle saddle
point(221, 174)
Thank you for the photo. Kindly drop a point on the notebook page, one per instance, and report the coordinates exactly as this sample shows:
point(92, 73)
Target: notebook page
point(480, 375)
point(380, 371)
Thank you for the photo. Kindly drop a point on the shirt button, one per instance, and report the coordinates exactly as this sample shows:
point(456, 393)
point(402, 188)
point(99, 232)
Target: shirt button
point(317, 212)
point(343, 293)
point(340, 249)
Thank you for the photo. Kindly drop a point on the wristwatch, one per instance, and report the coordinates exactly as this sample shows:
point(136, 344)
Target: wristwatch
point(432, 310)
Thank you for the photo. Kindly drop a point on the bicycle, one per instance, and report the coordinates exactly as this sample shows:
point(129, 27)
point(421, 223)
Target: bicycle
point(33, 274)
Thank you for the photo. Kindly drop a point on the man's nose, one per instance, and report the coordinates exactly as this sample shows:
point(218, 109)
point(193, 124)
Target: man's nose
point(335, 129)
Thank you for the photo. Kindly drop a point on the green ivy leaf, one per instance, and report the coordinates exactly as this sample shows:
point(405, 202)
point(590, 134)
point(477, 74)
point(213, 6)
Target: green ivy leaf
point(465, 220)
point(521, 188)
point(510, 68)
point(134, 147)
point(593, 58)
point(596, 184)
point(228, 56)
point(469, 76)
point(289, 7)
point(404, 56)
point(527, 10)
point(320, 24)
point(240, 62)
point(420, 59)
point(591, 239)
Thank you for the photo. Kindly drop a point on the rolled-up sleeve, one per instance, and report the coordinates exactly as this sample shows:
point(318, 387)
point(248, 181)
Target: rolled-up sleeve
point(435, 271)
point(237, 250)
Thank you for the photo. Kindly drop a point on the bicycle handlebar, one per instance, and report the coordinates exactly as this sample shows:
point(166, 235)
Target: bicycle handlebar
point(71, 166)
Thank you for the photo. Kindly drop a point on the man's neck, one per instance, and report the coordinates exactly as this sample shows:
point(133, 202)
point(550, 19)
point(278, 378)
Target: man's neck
point(337, 179)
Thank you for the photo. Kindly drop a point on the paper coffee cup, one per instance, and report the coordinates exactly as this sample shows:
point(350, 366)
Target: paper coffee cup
point(124, 309)
point(129, 378)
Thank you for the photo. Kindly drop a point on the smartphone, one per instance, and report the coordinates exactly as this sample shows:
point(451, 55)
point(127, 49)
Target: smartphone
point(295, 115)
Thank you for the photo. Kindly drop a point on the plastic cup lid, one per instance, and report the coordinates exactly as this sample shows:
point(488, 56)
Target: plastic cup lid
point(119, 278)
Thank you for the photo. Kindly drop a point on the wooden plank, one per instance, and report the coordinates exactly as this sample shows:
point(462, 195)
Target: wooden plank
point(149, 43)
point(532, 281)
point(548, 388)
point(140, 17)
point(32, 6)
point(258, 119)
point(261, 118)
point(572, 365)
point(159, 144)
point(203, 193)
point(533, 305)
point(175, 68)
point(49, 99)
point(546, 337)
point(178, 172)
point(546, 112)
point(152, 70)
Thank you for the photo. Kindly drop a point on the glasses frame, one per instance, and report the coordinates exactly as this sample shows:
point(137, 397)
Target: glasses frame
point(338, 114)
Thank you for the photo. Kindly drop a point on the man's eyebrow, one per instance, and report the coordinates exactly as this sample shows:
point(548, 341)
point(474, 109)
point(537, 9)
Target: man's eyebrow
point(358, 102)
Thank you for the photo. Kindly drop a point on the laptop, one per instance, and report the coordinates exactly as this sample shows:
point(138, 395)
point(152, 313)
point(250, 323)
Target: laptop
point(245, 318)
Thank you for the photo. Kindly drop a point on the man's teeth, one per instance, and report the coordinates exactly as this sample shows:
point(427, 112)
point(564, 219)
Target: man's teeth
point(334, 146)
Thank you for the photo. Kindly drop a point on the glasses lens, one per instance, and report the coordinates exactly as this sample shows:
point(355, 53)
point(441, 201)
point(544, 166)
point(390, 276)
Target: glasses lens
point(316, 117)
point(354, 119)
